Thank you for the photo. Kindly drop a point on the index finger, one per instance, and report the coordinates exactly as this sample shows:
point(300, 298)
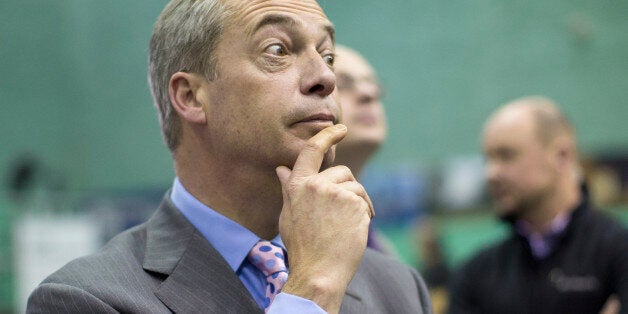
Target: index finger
point(311, 157)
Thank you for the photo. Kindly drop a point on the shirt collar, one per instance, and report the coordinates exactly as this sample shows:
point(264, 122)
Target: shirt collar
point(214, 226)
point(559, 223)
point(543, 244)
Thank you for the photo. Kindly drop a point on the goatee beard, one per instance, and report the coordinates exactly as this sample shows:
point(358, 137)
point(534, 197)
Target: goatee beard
point(510, 217)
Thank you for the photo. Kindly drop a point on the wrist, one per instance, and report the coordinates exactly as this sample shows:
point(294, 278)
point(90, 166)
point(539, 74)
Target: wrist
point(327, 293)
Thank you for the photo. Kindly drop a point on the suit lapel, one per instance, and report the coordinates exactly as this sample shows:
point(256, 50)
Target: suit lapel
point(199, 279)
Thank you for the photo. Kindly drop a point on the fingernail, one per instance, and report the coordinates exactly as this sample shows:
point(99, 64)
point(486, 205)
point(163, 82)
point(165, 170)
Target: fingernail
point(340, 127)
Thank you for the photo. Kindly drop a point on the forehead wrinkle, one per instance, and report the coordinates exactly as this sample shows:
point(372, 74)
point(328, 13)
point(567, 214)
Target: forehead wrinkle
point(285, 20)
point(249, 10)
point(274, 19)
point(250, 7)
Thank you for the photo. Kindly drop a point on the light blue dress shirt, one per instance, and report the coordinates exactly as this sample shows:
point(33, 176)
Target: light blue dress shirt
point(235, 248)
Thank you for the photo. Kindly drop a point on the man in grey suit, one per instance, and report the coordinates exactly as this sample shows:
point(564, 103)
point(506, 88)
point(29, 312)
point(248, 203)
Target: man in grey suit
point(246, 95)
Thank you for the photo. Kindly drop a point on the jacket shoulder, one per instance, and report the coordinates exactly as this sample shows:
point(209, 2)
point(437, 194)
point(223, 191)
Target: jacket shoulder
point(388, 286)
point(111, 278)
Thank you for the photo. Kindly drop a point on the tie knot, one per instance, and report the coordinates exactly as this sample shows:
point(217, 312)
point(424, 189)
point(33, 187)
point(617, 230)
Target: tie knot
point(268, 257)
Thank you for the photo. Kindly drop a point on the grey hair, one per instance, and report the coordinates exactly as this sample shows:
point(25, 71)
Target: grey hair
point(184, 38)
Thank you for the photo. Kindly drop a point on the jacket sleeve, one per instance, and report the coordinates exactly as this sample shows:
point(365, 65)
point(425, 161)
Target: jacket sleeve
point(620, 270)
point(60, 298)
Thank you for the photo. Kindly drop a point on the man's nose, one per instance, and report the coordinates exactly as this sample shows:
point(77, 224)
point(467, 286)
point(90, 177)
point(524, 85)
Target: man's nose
point(317, 76)
point(367, 93)
point(491, 171)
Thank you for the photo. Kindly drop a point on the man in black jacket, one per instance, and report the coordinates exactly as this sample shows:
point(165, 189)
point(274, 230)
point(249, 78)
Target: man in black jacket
point(563, 256)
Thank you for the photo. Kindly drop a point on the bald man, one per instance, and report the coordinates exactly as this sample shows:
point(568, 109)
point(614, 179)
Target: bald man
point(363, 113)
point(362, 110)
point(563, 256)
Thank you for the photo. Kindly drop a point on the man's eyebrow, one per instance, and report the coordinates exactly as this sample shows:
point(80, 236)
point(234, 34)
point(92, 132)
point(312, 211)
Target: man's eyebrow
point(280, 19)
point(331, 30)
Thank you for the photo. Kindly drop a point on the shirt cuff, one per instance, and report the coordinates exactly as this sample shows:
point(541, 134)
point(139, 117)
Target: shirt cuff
point(290, 303)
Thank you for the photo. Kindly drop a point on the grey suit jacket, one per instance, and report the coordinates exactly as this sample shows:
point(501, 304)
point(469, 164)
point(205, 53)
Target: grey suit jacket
point(165, 265)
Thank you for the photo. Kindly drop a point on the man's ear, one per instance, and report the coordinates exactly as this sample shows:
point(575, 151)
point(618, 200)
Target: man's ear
point(186, 96)
point(564, 151)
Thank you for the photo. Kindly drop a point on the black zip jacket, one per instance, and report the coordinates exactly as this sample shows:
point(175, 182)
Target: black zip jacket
point(588, 264)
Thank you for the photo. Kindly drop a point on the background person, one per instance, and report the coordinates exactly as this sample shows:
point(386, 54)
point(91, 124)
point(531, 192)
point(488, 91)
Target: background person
point(563, 256)
point(363, 113)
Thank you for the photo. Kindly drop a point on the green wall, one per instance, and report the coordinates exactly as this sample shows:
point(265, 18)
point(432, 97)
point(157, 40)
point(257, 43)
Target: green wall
point(447, 64)
point(74, 91)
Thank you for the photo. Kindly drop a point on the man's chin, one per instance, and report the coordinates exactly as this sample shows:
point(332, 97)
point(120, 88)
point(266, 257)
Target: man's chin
point(328, 159)
point(366, 140)
point(509, 217)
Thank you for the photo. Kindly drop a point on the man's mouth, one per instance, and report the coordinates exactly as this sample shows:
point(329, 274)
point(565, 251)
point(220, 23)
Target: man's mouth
point(325, 118)
point(366, 119)
point(497, 191)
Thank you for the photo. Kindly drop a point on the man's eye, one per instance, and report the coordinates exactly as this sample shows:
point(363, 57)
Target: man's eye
point(506, 155)
point(329, 59)
point(345, 81)
point(276, 49)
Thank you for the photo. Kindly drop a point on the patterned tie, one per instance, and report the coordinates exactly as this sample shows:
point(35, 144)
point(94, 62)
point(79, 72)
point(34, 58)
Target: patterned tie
point(269, 258)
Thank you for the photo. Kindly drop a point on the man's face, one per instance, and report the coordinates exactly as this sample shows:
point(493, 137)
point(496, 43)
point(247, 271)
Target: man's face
point(360, 99)
point(518, 165)
point(275, 87)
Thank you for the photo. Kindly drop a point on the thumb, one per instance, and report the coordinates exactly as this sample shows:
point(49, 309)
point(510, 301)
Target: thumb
point(283, 173)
